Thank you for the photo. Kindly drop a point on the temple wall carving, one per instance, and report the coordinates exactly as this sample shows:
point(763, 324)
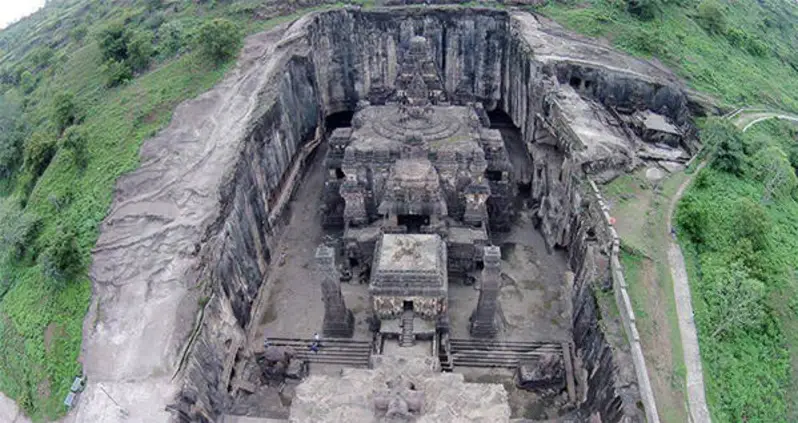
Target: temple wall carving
point(425, 307)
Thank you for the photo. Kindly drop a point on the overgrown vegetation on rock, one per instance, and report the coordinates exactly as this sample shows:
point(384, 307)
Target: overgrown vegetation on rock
point(739, 223)
point(739, 219)
point(82, 84)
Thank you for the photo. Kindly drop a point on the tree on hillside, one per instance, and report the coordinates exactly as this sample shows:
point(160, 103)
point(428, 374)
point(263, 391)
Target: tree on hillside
point(64, 111)
point(751, 222)
point(74, 141)
point(40, 148)
point(726, 143)
point(12, 134)
point(735, 298)
point(140, 50)
point(218, 40)
point(18, 230)
point(113, 39)
point(61, 259)
point(711, 17)
point(772, 167)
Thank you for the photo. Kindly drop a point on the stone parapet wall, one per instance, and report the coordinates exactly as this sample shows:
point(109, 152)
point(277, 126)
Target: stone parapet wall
point(624, 303)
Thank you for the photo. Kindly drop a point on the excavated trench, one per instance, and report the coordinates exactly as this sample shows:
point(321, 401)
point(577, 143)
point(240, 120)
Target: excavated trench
point(509, 63)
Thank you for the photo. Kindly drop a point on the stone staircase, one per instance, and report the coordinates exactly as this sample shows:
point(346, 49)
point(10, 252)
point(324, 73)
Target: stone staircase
point(407, 339)
point(499, 354)
point(345, 352)
point(444, 356)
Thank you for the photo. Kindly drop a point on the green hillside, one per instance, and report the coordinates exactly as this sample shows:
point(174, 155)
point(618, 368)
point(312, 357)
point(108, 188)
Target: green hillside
point(738, 222)
point(84, 82)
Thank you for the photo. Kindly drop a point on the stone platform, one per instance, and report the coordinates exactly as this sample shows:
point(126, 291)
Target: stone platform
point(413, 385)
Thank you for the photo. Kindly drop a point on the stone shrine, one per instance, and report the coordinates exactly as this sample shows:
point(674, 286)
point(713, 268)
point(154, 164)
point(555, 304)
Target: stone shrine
point(415, 180)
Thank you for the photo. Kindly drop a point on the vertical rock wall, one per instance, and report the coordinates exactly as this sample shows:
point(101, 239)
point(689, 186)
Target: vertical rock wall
point(239, 256)
point(346, 56)
point(355, 52)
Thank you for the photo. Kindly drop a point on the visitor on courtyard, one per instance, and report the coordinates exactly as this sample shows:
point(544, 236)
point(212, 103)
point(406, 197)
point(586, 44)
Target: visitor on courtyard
point(316, 344)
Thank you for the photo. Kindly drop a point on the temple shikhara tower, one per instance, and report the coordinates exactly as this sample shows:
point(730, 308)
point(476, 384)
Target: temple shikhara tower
point(416, 184)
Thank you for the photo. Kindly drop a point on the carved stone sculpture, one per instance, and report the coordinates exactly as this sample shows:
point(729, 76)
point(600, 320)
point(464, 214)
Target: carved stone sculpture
point(338, 320)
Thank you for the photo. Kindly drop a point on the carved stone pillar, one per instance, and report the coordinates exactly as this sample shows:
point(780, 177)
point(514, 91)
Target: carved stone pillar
point(338, 320)
point(484, 322)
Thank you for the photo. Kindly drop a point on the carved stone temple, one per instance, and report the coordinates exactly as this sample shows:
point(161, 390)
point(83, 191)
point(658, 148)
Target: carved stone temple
point(417, 183)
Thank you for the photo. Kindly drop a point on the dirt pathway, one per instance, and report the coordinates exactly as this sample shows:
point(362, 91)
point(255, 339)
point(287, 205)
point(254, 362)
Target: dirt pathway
point(699, 413)
point(742, 119)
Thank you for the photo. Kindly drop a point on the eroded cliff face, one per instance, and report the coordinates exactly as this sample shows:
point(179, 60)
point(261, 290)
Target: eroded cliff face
point(356, 52)
point(235, 164)
point(239, 256)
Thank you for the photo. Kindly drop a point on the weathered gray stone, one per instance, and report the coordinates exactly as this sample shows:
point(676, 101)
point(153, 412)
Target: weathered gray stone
point(484, 320)
point(197, 213)
point(338, 320)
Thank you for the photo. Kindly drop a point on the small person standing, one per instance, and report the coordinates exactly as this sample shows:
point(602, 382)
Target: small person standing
point(316, 343)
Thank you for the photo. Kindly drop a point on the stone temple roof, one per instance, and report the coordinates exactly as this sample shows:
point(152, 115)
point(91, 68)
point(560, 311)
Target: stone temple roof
point(409, 265)
point(355, 395)
point(409, 252)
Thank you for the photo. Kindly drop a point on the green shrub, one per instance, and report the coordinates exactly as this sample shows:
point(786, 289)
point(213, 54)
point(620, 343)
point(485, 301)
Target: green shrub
point(711, 17)
point(743, 40)
point(643, 9)
point(79, 32)
point(61, 259)
point(641, 41)
point(27, 82)
point(116, 73)
point(751, 223)
point(726, 143)
point(74, 141)
point(692, 218)
point(18, 230)
point(171, 38)
point(733, 297)
point(113, 39)
point(12, 134)
point(40, 149)
point(140, 51)
point(218, 40)
point(772, 167)
point(40, 57)
point(64, 111)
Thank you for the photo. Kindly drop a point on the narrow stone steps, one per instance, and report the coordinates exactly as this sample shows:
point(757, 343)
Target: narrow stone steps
point(488, 344)
point(407, 339)
point(340, 351)
point(499, 354)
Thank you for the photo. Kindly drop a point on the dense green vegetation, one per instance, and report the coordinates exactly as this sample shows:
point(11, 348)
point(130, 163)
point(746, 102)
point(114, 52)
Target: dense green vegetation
point(82, 84)
point(742, 52)
point(739, 220)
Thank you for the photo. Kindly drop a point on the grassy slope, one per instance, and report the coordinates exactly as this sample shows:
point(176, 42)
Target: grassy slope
point(748, 377)
point(639, 207)
point(753, 373)
point(40, 328)
point(710, 63)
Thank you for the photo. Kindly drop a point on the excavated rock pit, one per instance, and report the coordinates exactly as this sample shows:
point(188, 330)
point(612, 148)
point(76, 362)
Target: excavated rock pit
point(190, 239)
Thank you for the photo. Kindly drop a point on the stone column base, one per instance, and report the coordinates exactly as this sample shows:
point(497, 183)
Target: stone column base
point(483, 328)
point(339, 328)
